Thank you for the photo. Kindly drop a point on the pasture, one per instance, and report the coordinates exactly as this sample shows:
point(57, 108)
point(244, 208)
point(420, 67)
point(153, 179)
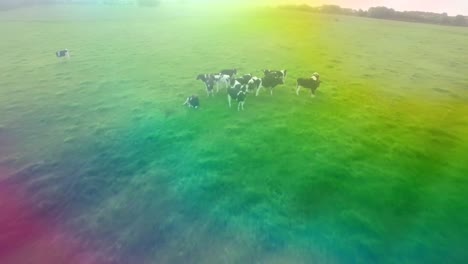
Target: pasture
point(100, 150)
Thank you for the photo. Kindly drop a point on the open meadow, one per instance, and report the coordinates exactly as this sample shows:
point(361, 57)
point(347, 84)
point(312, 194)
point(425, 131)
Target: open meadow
point(101, 163)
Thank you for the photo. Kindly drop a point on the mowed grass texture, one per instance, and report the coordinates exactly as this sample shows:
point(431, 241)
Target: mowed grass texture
point(371, 170)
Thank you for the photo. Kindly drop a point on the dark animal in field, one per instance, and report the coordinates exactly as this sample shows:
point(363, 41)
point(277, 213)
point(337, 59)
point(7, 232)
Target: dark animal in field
point(192, 101)
point(230, 72)
point(62, 53)
point(276, 73)
point(269, 81)
point(238, 92)
point(311, 83)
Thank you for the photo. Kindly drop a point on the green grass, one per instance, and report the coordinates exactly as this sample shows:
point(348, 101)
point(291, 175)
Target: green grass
point(371, 170)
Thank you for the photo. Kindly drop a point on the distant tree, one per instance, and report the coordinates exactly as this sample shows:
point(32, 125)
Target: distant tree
point(381, 12)
point(459, 20)
point(361, 13)
point(331, 9)
point(387, 13)
point(444, 19)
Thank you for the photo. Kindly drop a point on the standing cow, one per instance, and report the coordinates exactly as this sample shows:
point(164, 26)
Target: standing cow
point(312, 83)
point(276, 73)
point(238, 92)
point(269, 81)
point(212, 80)
point(231, 72)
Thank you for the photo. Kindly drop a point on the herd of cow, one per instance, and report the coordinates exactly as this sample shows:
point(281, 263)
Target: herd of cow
point(238, 87)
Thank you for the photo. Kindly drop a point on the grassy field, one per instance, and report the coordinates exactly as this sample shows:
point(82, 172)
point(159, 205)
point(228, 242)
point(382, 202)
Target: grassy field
point(100, 156)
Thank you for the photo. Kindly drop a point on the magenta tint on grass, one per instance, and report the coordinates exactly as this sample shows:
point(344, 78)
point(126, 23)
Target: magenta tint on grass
point(26, 236)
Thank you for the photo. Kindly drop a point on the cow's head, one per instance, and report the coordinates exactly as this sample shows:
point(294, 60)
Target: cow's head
point(200, 76)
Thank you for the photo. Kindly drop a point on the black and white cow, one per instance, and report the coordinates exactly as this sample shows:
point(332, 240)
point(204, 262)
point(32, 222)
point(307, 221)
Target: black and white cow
point(230, 72)
point(192, 101)
point(211, 80)
point(207, 79)
point(221, 80)
point(238, 92)
point(254, 83)
point(62, 53)
point(269, 81)
point(312, 83)
point(276, 73)
point(244, 79)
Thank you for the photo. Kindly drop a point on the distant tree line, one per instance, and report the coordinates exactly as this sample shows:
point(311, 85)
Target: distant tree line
point(381, 12)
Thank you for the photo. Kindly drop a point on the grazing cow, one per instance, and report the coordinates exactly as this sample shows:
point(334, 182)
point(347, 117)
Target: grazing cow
point(276, 73)
point(192, 101)
point(230, 72)
point(238, 92)
point(269, 81)
point(62, 53)
point(312, 83)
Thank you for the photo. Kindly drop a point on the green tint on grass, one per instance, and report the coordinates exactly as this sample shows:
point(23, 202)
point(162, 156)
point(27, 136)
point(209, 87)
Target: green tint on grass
point(371, 170)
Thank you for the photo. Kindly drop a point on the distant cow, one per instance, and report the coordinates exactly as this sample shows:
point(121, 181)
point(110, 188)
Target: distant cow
point(62, 53)
point(192, 101)
point(238, 92)
point(312, 83)
point(269, 81)
point(276, 73)
point(230, 72)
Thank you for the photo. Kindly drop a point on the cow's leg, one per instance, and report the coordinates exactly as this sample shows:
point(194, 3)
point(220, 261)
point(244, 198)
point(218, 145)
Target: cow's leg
point(258, 89)
point(271, 91)
point(297, 89)
point(229, 100)
point(312, 93)
point(242, 105)
point(207, 90)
